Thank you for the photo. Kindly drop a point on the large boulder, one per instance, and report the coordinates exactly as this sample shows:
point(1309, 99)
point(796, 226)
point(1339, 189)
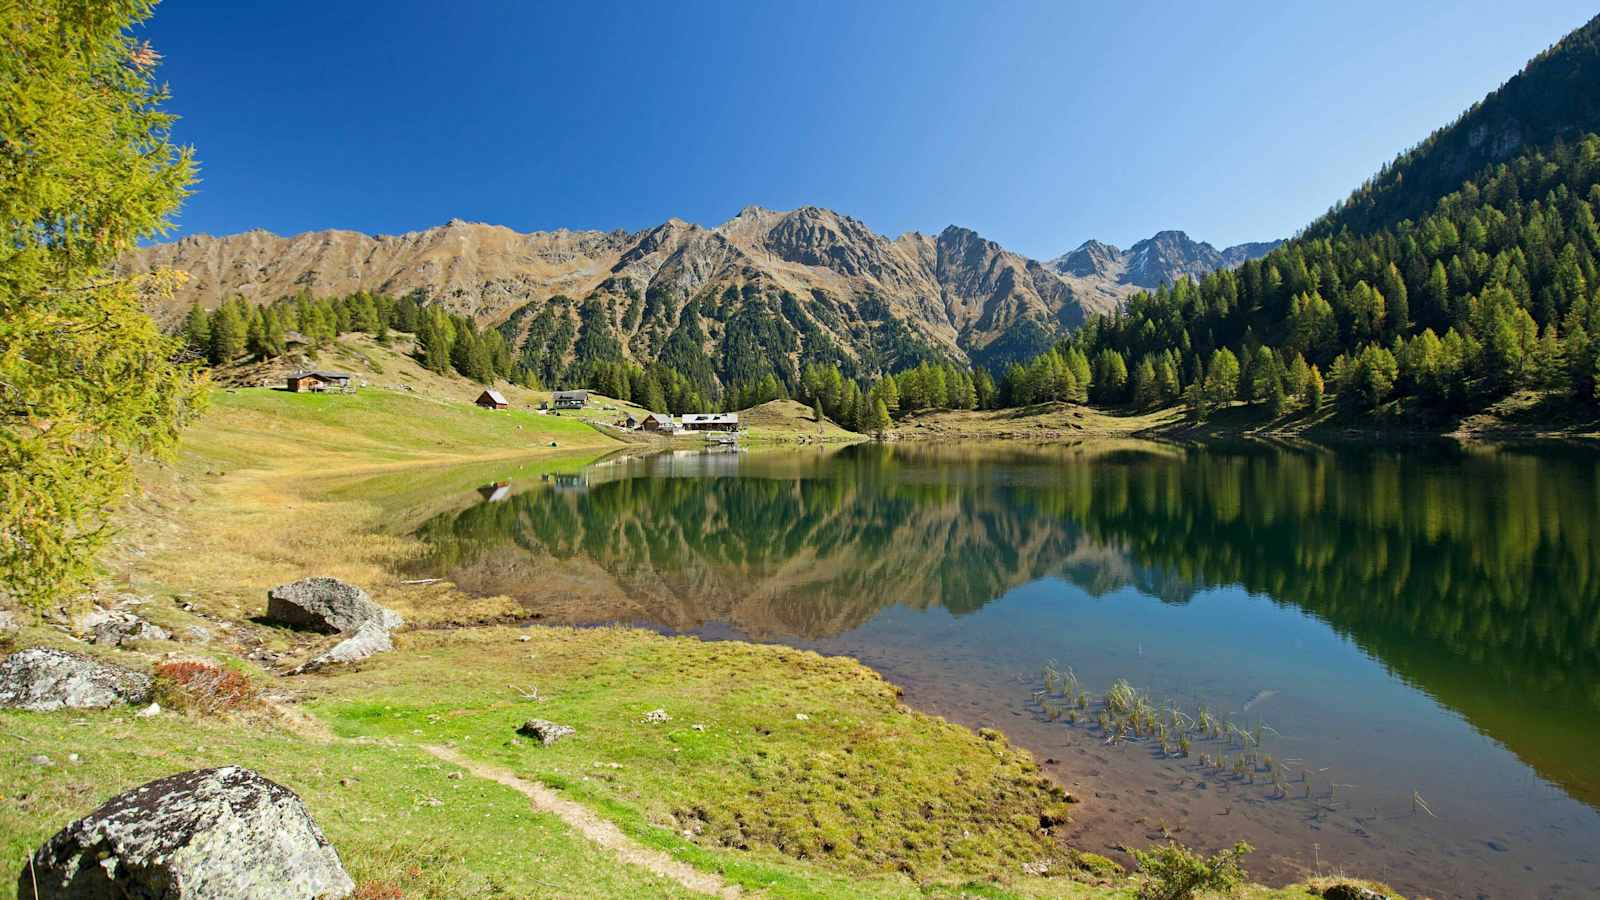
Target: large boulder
point(118, 626)
point(369, 639)
point(42, 679)
point(219, 834)
point(327, 605)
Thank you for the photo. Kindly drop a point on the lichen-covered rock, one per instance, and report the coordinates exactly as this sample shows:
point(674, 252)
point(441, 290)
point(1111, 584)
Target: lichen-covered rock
point(327, 605)
point(217, 834)
point(369, 639)
point(1352, 892)
point(546, 733)
point(42, 680)
point(117, 626)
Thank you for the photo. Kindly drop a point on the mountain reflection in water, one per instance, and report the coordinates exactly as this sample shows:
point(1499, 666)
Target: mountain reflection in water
point(1470, 575)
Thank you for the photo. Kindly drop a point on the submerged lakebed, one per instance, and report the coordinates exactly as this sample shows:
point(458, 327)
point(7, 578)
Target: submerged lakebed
point(1399, 648)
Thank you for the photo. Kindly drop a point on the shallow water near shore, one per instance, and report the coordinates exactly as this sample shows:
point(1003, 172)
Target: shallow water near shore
point(1414, 634)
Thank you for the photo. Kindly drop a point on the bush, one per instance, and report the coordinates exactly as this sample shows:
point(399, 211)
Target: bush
point(1174, 872)
point(202, 687)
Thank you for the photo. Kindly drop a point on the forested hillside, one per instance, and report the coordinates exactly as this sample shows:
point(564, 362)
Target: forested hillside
point(1447, 286)
point(1553, 97)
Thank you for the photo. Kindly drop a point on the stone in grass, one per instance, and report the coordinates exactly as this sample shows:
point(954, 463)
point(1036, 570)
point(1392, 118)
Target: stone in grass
point(327, 605)
point(118, 626)
point(369, 639)
point(546, 733)
point(43, 680)
point(1352, 892)
point(214, 833)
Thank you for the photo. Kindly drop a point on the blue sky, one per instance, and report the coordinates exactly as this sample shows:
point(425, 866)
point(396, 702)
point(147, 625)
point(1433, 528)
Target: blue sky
point(1038, 124)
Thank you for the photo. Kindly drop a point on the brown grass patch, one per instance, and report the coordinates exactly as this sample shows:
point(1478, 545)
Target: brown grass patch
point(203, 688)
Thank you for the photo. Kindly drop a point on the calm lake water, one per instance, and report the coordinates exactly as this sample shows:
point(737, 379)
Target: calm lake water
point(1417, 631)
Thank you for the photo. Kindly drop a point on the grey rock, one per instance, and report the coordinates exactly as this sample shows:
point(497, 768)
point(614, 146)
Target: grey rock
point(43, 680)
point(149, 712)
point(8, 621)
point(214, 833)
point(369, 639)
point(546, 733)
point(197, 633)
point(114, 627)
point(39, 759)
point(1351, 892)
point(327, 605)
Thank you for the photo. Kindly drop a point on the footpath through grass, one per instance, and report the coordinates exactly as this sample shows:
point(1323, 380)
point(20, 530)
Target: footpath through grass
point(786, 773)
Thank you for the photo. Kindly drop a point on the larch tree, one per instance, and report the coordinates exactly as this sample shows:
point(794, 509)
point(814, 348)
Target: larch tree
point(87, 381)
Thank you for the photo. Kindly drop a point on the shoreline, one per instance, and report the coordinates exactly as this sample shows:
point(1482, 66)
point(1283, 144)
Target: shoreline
point(214, 530)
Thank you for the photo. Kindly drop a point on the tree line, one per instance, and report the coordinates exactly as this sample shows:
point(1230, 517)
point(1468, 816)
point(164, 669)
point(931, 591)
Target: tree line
point(1494, 291)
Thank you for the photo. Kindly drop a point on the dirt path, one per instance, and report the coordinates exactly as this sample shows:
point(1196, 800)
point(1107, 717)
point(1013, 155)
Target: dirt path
point(604, 834)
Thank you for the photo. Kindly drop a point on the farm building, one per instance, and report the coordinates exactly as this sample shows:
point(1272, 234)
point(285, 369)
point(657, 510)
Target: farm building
point(492, 399)
point(711, 422)
point(660, 423)
point(571, 399)
point(317, 382)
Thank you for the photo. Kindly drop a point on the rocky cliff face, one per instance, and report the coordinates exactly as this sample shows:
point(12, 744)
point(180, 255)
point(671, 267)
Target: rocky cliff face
point(808, 284)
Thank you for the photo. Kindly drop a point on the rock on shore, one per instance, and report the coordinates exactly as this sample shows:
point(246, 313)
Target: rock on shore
point(327, 605)
point(218, 834)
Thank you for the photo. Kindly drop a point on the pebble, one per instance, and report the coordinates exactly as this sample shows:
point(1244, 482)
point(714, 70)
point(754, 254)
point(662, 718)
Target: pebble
point(153, 709)
point(39, 759)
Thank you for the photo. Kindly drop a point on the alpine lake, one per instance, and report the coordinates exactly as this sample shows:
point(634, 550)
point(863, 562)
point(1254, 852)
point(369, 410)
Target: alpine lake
point(1378, 661)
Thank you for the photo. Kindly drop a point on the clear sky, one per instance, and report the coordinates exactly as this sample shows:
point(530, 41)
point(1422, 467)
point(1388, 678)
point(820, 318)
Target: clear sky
point(1038, 124)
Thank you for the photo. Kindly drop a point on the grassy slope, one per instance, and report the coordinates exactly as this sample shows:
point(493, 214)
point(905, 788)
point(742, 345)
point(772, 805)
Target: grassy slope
point(1527, 415)
point(785, 421)
point(1041, 422)
point(862, 797)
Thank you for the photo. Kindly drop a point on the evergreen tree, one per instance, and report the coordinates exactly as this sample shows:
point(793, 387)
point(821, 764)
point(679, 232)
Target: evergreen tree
point(86, 378)
point(227, 334)
point(878, 422)
point(197, 330)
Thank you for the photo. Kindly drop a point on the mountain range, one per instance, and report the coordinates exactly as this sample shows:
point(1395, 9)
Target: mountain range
point(808, 284)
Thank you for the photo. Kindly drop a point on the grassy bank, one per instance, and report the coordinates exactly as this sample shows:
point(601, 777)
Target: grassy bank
point(777, 771)
point(1526, 416)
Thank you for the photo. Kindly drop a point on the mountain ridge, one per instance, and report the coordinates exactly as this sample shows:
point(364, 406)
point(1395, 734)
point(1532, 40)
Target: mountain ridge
point(809, 284)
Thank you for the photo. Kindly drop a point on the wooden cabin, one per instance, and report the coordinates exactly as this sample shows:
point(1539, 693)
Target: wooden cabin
point(659, 423)
point(711, 422)
point(492, 399)
point(317, 382)
point(571, 399)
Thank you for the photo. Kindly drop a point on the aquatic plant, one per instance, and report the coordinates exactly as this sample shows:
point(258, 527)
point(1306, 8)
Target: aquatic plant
point(1174, 872)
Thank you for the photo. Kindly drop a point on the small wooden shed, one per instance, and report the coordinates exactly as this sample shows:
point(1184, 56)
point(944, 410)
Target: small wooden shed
point(660, 423)
point(492, 399)
point(301, 382)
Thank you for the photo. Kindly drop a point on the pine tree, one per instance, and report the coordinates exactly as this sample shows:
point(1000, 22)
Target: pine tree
point(1314, 389)
point(1146, 389)
point(86, 378)
point(197, 330)
point(878, 422)
point(227, 334)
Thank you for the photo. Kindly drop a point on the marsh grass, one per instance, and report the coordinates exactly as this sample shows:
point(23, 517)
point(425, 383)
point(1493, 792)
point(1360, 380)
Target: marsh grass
point(1125, 714)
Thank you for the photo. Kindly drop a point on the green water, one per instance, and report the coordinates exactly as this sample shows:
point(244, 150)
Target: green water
point(1418, 622)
